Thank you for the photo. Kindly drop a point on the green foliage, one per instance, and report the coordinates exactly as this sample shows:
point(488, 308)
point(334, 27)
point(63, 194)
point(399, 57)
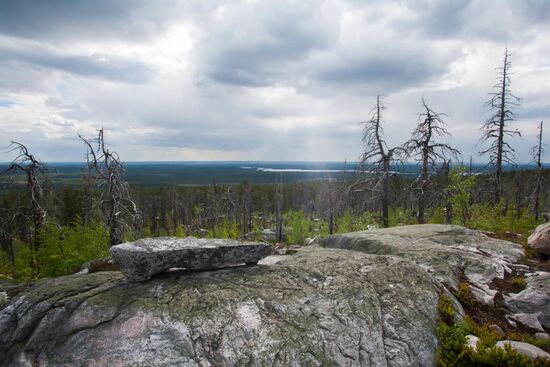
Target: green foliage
point(180, 231)
point(453, 351)
point(24, 263)
point(401, 217)
point(459, 190)
point(147, 232)
point(437, 216)
point(520, 282)
point(64, 249)
point(352, 223)
point(452, 341)
point(464, 294)
point(446, 310)
point(299, 227)
point(501, 219)
point(225, 229)
point(487, 337)
point(543, 344)
point(495, 357)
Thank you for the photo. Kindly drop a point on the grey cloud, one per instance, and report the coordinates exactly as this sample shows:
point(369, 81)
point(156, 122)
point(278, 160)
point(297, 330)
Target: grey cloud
point(258, 45)
point(103, 66)
point(386, 74)
point(441, 18)
point(252, 65)
point(534, 111)
point(98, 19)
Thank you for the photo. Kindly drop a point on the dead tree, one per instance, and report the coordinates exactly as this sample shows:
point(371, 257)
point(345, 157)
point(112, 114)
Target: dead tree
point(34, 171)
point(426, 147)
point(537, 152)
point(376, 159)
point(279, 210)
point(115, 201)
point(496, 128)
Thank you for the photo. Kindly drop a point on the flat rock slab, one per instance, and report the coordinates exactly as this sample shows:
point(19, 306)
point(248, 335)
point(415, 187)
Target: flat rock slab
point(142, 259)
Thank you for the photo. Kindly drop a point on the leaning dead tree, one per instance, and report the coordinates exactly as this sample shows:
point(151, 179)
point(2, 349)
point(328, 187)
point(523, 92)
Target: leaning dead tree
point(495, 129)
point(426, 146)
point(376, 159)
point(115, 202)
point(537, 152)
point(34, 171)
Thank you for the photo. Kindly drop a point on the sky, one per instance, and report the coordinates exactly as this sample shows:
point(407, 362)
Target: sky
point(262, 80)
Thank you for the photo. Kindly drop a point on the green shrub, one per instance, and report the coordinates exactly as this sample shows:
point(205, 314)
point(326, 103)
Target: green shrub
point(25, 264)
point(501, 219)
point(225, 229)
point(519, 282)
point(401, 217)
point(452, 349)
point(349, 222)
point(459, 190)
point(180, 231)
point(300, 227)
point(65, 248)
point(464, 294)
point(543, 344)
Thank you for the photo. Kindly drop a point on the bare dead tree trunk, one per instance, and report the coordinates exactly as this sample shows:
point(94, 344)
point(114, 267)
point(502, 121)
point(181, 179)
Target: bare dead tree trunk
point(116, 202)
point(429, 152)
point(279, 214)
point(330, 209)
point(376, 159)
point(34, 171)
point(537, 151)
point(495, 128)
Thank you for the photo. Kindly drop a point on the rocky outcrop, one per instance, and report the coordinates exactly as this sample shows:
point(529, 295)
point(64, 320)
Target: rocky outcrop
point(443, 250)
point(539, 240)
point(317, 307)
point(142, 259)
point(320, 306)
point(531, 306)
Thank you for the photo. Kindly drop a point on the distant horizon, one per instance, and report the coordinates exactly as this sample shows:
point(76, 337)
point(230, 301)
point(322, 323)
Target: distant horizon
point(465, 163)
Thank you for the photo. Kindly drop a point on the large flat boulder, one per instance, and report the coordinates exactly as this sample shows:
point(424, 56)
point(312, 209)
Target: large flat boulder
point(142, 259)
point(443, 250)
point(319, 307)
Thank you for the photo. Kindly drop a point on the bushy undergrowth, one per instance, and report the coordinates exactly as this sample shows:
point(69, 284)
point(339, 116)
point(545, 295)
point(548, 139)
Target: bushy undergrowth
point(64, 249)
point(299, 227)
point(225, 229)
point(454, 352)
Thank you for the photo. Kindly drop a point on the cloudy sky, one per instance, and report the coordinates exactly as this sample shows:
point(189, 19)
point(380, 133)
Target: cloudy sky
point(261, 80)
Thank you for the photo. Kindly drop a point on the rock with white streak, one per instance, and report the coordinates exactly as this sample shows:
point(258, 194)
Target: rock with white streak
point(319, 307)
point(443, 250)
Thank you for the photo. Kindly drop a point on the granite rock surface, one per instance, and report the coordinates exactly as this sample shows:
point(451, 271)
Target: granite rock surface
point(142, 259)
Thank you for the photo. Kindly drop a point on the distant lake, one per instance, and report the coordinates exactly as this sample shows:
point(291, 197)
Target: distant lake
point(230, 172)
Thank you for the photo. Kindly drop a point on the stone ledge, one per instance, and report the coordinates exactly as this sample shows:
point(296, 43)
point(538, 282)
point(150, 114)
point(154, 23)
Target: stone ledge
point(142, 259)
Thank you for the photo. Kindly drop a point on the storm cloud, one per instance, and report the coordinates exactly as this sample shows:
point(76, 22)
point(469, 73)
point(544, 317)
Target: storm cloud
point(261, 80)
